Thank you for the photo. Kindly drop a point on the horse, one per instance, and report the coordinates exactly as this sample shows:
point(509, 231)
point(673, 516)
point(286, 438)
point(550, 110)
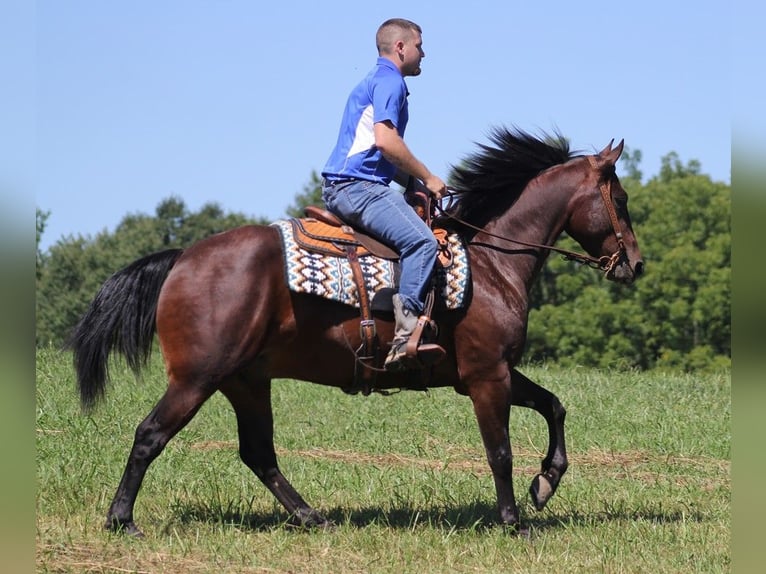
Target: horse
point(227, 321)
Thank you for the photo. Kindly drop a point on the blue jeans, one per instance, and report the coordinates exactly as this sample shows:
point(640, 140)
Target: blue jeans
point(382, 212)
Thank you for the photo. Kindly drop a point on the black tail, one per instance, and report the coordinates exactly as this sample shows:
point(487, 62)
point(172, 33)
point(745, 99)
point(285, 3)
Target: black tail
point(121, 318)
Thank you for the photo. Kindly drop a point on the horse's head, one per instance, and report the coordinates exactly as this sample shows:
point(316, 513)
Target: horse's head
point(599, 219)
point(514, 190)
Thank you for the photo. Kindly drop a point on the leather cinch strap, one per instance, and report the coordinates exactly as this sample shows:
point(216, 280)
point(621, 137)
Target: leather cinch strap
point(369, 347)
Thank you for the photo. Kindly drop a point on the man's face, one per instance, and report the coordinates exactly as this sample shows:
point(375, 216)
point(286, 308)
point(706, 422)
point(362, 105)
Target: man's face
point(412, 54)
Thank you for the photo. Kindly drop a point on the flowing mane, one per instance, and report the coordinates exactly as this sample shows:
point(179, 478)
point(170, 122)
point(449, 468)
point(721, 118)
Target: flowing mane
point(490, 180)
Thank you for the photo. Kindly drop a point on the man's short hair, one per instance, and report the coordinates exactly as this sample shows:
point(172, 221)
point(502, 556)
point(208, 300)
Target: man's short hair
point(392, 30)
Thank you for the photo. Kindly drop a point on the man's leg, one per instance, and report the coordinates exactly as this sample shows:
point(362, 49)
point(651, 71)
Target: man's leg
point(384, 213)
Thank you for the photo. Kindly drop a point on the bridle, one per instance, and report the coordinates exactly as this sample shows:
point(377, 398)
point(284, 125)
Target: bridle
point(606, 263)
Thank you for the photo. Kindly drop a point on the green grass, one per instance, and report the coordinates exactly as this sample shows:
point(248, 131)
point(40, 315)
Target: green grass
point(403, 477)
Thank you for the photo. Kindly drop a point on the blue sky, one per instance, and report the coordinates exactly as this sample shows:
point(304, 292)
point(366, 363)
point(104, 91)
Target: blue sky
point(237, 102)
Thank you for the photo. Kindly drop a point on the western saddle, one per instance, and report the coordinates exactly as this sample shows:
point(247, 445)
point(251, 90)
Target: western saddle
point(323, 232)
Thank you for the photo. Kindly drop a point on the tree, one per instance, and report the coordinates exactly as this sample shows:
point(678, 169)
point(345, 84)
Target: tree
point(41, 218)
point(311, 195)
point(629, 162)
point(70, 274)
point(686, 228)
point(678, 315)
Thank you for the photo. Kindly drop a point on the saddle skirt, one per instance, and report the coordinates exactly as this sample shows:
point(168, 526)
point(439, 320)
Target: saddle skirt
point(316, 263)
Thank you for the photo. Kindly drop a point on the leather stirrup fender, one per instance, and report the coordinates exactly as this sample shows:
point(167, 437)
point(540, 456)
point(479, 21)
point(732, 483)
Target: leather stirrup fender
point(369, 346)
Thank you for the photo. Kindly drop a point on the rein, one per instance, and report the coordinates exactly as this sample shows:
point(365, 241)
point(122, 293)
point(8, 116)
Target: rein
point(605, 263)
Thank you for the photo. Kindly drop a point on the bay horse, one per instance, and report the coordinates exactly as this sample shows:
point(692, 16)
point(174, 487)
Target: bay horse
point(226, 320)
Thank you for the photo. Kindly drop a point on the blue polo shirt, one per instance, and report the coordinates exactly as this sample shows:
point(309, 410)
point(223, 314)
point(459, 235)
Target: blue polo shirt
point(380, 96)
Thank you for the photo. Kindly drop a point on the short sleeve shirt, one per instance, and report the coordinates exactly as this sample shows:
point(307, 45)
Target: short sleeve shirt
point(380, 96)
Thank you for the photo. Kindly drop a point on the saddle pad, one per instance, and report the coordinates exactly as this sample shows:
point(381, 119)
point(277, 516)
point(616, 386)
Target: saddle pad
point(330, 277)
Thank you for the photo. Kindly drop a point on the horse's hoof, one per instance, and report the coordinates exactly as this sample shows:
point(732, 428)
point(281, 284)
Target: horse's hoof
point(310, 521)
point(327, 526)
point(541, 491)
point(517, 530)
point(126, 527)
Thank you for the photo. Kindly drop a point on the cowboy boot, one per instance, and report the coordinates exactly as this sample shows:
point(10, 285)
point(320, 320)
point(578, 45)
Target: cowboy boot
point(406, 321)
point(403, 356)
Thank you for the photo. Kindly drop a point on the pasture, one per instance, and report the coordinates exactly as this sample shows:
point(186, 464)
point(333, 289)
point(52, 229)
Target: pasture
point(404, 478)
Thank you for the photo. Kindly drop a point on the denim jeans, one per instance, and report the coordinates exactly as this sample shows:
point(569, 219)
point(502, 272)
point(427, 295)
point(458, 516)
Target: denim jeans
point(382, 212)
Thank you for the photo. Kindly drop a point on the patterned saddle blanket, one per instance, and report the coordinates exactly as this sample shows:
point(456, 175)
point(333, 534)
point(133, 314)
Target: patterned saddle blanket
point(319, 271)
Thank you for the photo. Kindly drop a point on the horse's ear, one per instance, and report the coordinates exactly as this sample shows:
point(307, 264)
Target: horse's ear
point(603, 153)
point(615, 154)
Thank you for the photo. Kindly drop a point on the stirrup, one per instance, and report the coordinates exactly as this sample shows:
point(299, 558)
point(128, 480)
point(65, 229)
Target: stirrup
point(424, 353)
point(429, 354)
point(397, 358)
point(411, 354)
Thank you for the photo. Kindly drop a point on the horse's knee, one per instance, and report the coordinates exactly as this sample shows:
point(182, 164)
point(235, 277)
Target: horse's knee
point(148, 441)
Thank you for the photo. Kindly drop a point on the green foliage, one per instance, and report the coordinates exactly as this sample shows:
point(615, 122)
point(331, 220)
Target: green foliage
point(311, 195)
point(71, 272)
point(629, 162)
point(678, 315)
point(41, 217)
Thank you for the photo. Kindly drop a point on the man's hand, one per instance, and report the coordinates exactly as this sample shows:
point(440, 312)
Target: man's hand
point(435, 185)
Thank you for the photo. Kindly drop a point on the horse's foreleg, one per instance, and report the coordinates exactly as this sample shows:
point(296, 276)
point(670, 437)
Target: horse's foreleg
point(255, 423)
point(174, 410)
point(527, 393)
point(492, 406)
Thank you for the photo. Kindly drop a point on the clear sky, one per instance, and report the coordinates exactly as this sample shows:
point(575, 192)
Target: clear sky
point(236, 101)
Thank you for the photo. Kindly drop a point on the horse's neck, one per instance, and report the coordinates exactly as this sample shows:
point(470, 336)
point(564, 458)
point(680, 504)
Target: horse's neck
point(541, 211)
point(537, 217)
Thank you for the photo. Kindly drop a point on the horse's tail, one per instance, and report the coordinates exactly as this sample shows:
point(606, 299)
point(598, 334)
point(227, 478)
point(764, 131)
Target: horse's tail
point(121, 318)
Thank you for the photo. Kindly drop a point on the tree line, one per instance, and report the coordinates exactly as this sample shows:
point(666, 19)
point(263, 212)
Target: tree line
point(677, 316)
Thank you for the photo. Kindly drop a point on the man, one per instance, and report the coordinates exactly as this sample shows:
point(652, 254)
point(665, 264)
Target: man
point(369, 154)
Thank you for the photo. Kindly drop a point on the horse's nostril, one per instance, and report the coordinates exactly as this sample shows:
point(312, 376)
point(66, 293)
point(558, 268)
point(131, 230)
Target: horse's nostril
point(638, 269)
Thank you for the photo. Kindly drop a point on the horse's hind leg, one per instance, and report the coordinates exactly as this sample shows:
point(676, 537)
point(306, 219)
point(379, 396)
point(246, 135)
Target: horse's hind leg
point(527, 393)
point(175, 409)
point(252, 404)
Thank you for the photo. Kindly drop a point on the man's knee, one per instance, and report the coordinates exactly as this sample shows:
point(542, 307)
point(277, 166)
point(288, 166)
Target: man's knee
point(430, 246)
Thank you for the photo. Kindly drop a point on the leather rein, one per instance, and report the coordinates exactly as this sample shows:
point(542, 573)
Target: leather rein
point(605, 263)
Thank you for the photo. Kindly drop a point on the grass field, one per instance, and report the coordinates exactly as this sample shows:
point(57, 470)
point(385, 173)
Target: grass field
point(403, 477)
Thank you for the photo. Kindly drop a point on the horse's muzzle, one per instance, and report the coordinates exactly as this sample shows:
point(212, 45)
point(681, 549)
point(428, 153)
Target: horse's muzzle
point(623, 272)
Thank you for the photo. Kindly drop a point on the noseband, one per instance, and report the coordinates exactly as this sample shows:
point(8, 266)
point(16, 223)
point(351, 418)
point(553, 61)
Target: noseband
point(607, 263)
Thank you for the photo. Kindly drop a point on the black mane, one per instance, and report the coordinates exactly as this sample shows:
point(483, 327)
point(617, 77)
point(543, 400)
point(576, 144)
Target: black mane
point(490, 180)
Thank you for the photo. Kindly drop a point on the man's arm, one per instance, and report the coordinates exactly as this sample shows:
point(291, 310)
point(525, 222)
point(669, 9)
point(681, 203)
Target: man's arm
point(393, 148)
point(408, 181)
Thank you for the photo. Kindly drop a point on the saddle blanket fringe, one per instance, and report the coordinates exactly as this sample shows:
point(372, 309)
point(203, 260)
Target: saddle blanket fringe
point(330, 277)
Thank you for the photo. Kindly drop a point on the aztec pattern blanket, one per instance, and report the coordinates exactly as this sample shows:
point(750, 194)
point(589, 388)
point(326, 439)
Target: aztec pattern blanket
point(331, 278)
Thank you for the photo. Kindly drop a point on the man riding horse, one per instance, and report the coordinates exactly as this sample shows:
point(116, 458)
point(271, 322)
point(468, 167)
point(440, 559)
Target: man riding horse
point(368, 155)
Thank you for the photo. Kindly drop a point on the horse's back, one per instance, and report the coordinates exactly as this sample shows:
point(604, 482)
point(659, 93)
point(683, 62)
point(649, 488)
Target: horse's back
point(238, 241)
